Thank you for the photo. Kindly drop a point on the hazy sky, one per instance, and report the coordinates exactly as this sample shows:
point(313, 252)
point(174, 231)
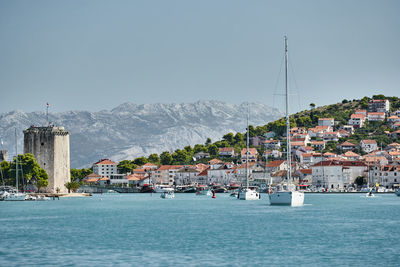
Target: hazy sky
point(93, 55)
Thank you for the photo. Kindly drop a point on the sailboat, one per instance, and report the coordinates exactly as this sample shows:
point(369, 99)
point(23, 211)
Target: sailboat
point(248, 193)
point(15, 196)
point(288, 196)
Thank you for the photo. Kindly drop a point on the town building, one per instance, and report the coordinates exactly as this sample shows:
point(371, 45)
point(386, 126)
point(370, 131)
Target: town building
point(226, 152)
point(376, 116)
point(378, 105)
point(186, 176)
point(272, 144)
point(357, 120)
point(326, 122)
point(347, 146)
point(201, 155)
point(252, 155)
point(165, 174)
point(105, 167)
point(368, 145)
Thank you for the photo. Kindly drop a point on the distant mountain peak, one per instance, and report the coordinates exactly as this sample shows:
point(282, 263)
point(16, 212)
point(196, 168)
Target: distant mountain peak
point(131, 130)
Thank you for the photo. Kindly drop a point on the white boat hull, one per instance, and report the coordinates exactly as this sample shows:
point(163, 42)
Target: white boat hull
point(206, 192)
point(249, 194)
point(15, 197)
point(160, 189)
point(168, 194)
point(287, 198)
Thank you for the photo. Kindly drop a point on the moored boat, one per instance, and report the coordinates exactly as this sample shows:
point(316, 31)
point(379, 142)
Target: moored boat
point(168, 193)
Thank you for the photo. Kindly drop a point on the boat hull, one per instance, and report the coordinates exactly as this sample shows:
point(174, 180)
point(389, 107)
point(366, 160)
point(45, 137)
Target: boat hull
point(167, 195)
point(15, 197)
point(287, 198)
point(249, 194)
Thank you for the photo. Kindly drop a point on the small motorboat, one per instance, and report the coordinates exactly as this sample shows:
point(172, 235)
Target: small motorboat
point(168, 193)
point(369, 194)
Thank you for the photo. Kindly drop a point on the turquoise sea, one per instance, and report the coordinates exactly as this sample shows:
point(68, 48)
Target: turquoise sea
point(190, 230)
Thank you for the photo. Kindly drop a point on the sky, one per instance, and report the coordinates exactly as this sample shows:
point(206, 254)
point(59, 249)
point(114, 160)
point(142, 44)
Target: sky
point(95, 54)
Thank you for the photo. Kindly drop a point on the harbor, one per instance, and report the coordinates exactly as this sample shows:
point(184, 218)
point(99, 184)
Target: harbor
point(191, 230)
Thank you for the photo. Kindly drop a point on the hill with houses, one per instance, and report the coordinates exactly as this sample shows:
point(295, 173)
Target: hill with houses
point(335, 147)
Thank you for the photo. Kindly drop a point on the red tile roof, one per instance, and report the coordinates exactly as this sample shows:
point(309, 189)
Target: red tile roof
point(215, 161)
point(252, 150)
point(369, 142)
point(275, 163)
point(376, 113)
point(306, 171)
point(347, 144)
point(357, 116)
point(225, 149)
point(105, 162)
point(169, 167)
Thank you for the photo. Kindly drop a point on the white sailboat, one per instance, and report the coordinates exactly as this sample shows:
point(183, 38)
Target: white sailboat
point(289, 196)
point(248, 193)
point(15, 196)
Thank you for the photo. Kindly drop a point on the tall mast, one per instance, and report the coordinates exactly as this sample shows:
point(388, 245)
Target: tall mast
point(247, 148)
point(288, 150)
point(16, 160)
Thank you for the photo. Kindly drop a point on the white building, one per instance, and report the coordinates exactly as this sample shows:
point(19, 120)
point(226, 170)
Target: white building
point(378, 105)
point(326, 122)
point(376, 116)
point(368, 145)
point(357, 120)
point(328, 174)
point(105, 167)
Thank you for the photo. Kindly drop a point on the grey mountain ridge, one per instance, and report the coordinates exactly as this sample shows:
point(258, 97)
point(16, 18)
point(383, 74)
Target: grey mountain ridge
point(131, 130)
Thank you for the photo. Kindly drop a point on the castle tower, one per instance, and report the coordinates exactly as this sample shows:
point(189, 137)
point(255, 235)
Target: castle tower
point(50, 146)
point(3, 155)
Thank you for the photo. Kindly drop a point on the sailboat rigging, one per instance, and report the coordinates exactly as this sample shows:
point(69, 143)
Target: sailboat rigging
point(290, 196)
point(247, 193)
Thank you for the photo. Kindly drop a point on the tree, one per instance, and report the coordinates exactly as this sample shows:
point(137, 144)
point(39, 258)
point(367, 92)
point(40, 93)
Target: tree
point(229, 137)
point(72, 186)
point(312, 106)
point(125, 166)
point(42, 179)
point(198, 148)
point(78, 174)
point(166, 158)
point(31, 170)
point(140, 161)
point(208, 141)
point(238, 138)
point(180, 156)
point(360, 180)
point(154, 158)
point(213, 150)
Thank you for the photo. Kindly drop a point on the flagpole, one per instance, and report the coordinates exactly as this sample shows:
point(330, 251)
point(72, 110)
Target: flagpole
point(47, 113)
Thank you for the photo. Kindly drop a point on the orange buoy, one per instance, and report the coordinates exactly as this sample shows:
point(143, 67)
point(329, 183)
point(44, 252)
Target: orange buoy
point(213, 194)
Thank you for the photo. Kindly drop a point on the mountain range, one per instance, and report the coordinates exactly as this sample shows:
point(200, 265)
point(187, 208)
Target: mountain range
point(130, 130)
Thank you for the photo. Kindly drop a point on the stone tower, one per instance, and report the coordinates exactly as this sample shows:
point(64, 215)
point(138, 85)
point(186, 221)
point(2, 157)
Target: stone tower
point(50, 146)
point(3, 155)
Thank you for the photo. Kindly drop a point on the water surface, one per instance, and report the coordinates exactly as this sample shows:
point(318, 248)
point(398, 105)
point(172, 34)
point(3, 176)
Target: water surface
point(190, 230)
